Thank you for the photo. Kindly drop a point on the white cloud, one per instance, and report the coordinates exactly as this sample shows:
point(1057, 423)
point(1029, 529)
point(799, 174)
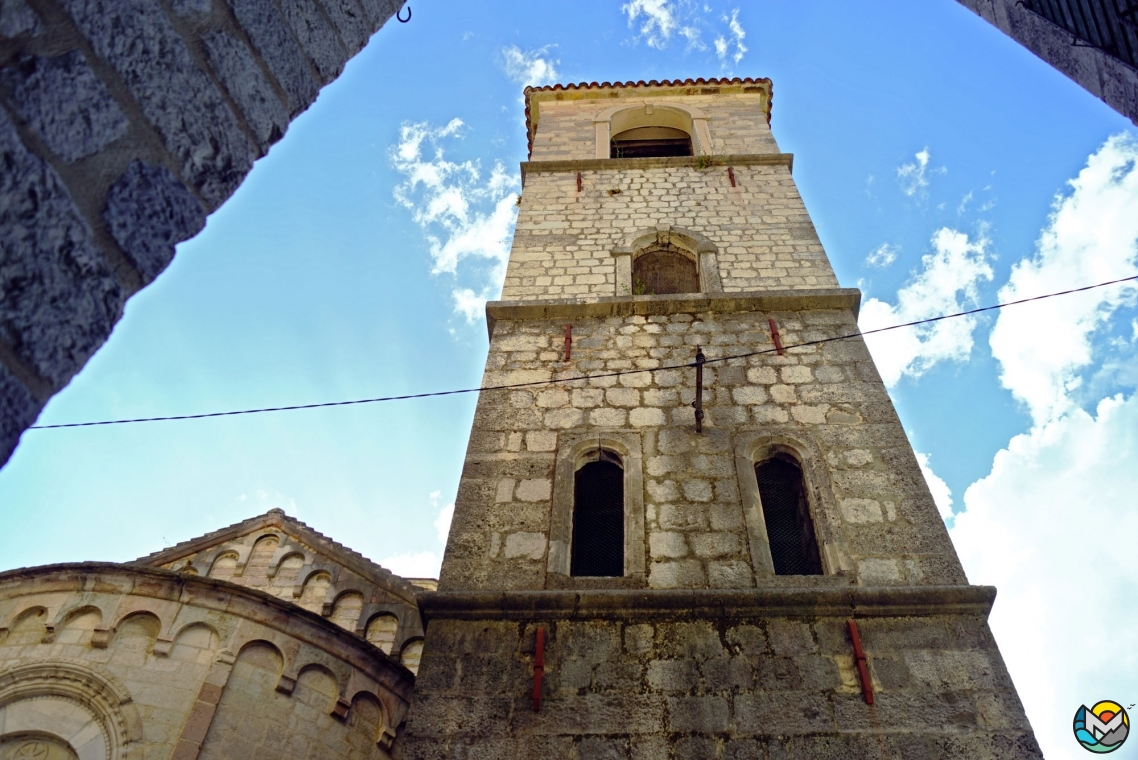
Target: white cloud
point(414, 564)
point(733, 39)
point(883, 255)
point(1091, 236)
point(1052, 528)
point(914, 177)
point(462, 214)
point(947, 282)
point(530, 67)
point(658, 22)
point(942, 494)
point(426, 563)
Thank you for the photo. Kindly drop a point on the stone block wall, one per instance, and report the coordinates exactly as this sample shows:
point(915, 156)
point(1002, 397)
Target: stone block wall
point(874, 515)
point(564, 239)
point(698, 686)
point(152, 664)
point(123, 124)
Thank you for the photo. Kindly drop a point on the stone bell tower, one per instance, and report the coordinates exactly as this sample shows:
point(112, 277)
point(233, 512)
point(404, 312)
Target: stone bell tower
point(620, 582)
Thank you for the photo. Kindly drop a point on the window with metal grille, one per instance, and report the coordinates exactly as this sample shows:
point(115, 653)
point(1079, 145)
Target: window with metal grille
point(790, 530)
point(663, 271)
point(598, 517)
point(650, 142)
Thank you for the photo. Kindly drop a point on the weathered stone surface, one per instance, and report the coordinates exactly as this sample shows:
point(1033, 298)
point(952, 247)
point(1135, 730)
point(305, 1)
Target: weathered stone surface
point(148, 212)
point(66, 104)
point(318, 39)
point(196, 125)
point(18, 410)
point(238, 71)
point(186, 8)
point(58, 298)
point(350, 22)
point(17, 18)
point(270, 34)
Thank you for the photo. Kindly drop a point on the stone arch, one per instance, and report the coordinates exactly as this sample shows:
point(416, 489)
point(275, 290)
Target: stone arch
point(28, 626)
point(137, 631)
point(286, 572)
point(224, 565)
point(574, 451)
point(628, 115)
point(347, 608)
point(382, 630)
point(257, 566)
point(411, 653)
point(78, 625)
point(318, 687)
point(683, 241)
point(49, 697)
point(368, 717)
point(195, 641)
point(759, 446)
point(314, 590)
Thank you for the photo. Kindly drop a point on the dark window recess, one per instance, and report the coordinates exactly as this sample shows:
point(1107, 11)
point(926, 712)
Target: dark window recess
point(658, 273)
point(789, 527)
point(651, 148)
point(1109, 25)
point(598, 519)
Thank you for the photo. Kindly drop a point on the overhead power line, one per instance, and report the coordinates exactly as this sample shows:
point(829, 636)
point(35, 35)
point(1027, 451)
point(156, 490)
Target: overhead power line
point(576, 378)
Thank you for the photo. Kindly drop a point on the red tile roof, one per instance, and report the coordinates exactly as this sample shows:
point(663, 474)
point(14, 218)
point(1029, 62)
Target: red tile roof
point(717, 81)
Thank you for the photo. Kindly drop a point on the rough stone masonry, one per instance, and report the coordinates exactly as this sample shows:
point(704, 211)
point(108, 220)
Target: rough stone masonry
point(123, 124)
point(699, 649)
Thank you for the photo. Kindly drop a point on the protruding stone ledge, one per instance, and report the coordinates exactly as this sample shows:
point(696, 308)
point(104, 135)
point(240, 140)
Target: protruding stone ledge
point(860, 602)
point(684, 303)
point(698, 162)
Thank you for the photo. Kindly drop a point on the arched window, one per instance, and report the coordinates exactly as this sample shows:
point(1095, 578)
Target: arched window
point(664, 270)
point(650, 142)
point(782, 492)
point(598, 517)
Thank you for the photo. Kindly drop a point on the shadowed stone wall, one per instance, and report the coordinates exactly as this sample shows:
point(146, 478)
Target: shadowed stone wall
point(1099, 73)
point(123, 124)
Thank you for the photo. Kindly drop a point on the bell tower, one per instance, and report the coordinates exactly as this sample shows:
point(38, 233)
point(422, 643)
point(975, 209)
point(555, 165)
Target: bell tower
point(637, 570)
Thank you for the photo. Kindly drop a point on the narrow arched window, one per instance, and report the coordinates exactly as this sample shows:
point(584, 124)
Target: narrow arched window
point(662, 272)
point(790, 530)
point(598, 517)
point(650, 142)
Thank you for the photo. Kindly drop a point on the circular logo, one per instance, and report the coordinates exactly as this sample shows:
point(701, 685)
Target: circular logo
point(1102, 728)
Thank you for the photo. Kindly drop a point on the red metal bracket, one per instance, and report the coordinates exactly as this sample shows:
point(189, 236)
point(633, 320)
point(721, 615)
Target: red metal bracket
point(568, 341)
point(862, 667)
point(538, 667)
point(731, 175)
point(775, 337)
point(580, 183)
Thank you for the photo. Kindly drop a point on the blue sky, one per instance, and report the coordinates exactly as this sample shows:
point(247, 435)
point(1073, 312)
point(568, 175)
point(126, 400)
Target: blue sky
point(943, 165)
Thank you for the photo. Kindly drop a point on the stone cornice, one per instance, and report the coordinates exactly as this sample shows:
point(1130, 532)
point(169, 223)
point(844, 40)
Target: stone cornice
point(682, 604)
point(684, 303)
point(214, 594)
point(698, 162)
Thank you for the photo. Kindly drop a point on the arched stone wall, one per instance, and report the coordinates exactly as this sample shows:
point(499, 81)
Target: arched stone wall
point(115, 153)
point(115, 662)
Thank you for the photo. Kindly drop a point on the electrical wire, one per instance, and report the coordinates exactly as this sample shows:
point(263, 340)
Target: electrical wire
point(576, 378)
